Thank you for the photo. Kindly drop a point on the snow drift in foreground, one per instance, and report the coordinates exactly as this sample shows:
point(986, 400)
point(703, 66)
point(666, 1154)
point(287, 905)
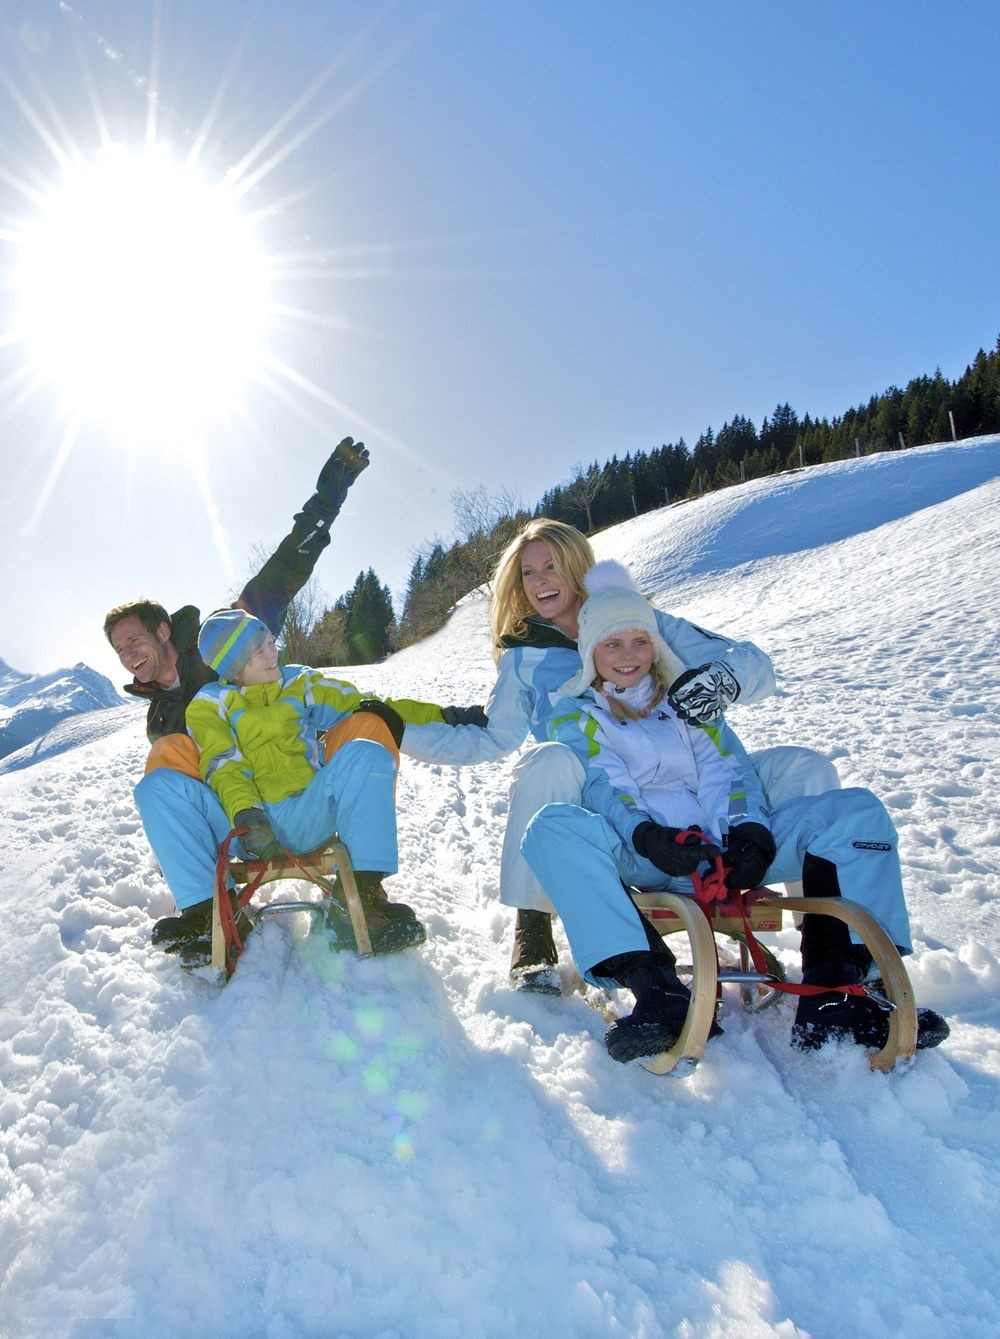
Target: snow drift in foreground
point(405, 1147)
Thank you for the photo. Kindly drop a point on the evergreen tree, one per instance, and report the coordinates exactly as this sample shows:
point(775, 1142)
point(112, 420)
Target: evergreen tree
point(781, 431)
point(369, 620)
point(705, 459)
point(978, 395)
point(736, 441)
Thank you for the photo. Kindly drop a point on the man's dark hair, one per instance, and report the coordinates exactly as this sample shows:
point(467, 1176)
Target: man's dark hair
point(149, 613)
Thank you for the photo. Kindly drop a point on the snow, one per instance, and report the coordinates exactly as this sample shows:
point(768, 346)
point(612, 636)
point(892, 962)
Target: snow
point(33, 704)
point(406, 1147)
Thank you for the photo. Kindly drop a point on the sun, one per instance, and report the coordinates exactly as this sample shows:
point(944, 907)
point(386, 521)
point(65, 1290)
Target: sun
point(142, 297)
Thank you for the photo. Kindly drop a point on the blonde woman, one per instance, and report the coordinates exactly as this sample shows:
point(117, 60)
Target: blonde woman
point(537, 594)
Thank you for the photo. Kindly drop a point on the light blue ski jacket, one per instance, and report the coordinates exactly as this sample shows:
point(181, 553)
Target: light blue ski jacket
point(532, 672)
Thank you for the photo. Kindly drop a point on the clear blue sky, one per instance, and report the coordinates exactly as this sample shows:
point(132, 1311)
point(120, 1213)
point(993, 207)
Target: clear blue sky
point(522, 235)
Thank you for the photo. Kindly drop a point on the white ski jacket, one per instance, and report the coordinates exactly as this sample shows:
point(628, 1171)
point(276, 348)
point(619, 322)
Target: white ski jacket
point(660, 768)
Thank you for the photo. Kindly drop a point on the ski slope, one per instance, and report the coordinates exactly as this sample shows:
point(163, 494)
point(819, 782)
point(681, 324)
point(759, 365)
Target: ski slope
point(406, 1147)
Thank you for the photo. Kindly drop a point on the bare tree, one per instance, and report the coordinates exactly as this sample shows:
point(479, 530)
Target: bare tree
point(485, 524)
point(304, 611)
point(477, 510)
point(583, 487)
point(328, 642)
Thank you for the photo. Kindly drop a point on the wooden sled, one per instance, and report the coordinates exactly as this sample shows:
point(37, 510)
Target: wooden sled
point(320, 868)
point(668, 912)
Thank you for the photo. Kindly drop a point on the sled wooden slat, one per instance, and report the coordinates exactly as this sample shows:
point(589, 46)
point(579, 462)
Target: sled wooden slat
point(726, 919)
point(901, 1043)
point(323, 866)
point(689, 1047)
point(668, 913)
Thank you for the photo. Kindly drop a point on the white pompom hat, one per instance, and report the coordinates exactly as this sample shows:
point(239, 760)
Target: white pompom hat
point(615, 604)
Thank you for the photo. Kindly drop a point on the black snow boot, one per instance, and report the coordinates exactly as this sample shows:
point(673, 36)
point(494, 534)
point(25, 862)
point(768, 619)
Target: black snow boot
point(833, 1016)
point(829, 958)
point(861, 1019)
point(188, 934)
point(533, 962)
point(661, 1005)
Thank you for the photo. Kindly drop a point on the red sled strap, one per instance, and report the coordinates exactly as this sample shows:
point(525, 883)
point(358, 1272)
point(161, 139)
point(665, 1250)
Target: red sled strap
point(711, 887)
point(227, 910)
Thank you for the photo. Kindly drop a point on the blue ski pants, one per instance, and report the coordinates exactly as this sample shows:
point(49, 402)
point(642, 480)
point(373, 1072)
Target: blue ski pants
point(581, 862)
point(352, 796)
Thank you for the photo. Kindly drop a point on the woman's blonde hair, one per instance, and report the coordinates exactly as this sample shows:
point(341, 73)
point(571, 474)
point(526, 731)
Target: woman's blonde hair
point(572, 557)
point(620, 711)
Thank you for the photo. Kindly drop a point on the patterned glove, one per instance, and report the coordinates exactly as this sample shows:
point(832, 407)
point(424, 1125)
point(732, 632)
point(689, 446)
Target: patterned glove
point(335, 478)
point(702, 694)
point(465, 716)
point(259, 840)
point(749, 854)
point(659, 845)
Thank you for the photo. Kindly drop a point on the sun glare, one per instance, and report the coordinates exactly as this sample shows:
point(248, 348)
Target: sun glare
point(142, 297)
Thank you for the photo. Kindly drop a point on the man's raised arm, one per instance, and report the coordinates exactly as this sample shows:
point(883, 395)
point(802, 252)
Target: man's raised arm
point(271, 591)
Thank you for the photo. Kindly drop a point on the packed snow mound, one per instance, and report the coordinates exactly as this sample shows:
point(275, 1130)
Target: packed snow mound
point(405, 1146)
point(797, 511)
point(31, 704)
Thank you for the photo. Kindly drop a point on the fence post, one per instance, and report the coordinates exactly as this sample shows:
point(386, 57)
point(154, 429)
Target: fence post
point(951, 420)
point(902, 444)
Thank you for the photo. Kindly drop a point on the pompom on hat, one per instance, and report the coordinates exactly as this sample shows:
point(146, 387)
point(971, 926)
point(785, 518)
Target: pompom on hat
point(228, 640)
point(615, 604)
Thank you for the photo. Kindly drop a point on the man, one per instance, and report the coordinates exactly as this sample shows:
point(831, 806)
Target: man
point(161, 653)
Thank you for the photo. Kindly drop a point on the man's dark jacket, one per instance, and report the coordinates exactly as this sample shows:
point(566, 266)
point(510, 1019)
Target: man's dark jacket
point(267, 595)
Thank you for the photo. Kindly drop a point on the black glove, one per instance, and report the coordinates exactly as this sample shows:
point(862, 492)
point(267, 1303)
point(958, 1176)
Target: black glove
point(700, 695)
point(465, 716)
point(385, 713)
point(749, 854)
point(659, 844)
point(259, 840)
point(335, 478)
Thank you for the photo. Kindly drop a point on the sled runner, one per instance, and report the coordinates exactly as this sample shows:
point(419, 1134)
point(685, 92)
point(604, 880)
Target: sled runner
point(322, 867)
point(760, 977)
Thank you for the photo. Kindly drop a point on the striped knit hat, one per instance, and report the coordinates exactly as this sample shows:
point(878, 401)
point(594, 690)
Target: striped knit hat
point(228, 639)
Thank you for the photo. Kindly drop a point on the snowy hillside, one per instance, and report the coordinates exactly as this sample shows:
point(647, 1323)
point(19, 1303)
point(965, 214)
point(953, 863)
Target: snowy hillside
point(31, 704)
point(405, 1147)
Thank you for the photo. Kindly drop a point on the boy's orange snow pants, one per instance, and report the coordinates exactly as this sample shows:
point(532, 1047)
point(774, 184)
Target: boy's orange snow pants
point(180, 753)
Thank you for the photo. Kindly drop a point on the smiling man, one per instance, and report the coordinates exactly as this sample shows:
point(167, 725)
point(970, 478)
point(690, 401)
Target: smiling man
point(160, 651)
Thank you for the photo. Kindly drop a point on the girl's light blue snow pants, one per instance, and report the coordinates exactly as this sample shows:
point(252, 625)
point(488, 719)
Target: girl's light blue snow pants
point(581, 862)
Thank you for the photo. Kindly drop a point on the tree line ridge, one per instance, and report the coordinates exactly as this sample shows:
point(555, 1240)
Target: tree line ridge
point(361, 627)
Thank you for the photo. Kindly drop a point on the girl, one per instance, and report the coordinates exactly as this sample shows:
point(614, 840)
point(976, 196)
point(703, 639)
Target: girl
point(537, 593)
point(650, 776)
point(258, 730)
